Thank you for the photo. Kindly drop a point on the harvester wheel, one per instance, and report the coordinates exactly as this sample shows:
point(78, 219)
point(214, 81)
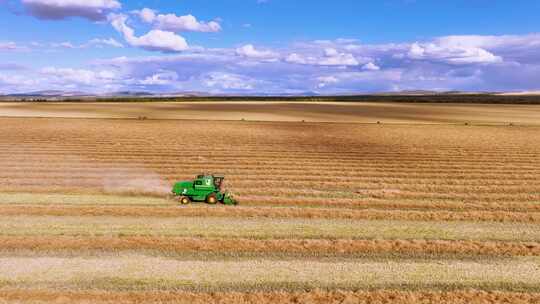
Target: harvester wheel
point(211, 199)
point(184, 200)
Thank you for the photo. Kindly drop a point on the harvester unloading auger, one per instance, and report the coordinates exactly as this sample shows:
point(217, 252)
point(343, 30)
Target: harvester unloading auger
point(205, 188)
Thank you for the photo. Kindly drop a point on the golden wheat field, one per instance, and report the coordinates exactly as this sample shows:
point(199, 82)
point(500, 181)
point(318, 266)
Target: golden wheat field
point(341, 211)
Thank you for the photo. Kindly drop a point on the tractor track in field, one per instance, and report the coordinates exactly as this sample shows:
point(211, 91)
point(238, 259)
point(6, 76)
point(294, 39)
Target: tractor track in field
point(381, 201)
point(358, 186)
point(430, 180)
point(306, 196)
point(271, 212)
point(314, 297)
point(307, 247)
point(389, 165)
point(387, 162)
point(396, 203)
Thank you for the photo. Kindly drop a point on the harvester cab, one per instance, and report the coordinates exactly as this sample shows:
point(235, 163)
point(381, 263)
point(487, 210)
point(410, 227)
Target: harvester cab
point(205, 188)
point(215, 179)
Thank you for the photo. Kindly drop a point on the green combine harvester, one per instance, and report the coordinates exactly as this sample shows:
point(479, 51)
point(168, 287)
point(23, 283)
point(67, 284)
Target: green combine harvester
point(205, 188)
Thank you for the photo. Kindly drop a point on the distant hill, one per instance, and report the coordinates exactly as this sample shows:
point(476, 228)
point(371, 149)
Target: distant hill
point(57, 94)
point(127, 94)
point(523, 93)
point(427, 93)
point(408, 96)
point(50, 93)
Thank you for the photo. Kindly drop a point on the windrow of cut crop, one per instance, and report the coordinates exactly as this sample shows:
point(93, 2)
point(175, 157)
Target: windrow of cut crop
point(266, 212)
point(312, 297)
point(385, 204)
point(314, 248)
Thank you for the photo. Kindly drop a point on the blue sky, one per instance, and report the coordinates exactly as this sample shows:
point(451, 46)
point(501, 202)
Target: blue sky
point(272, 46)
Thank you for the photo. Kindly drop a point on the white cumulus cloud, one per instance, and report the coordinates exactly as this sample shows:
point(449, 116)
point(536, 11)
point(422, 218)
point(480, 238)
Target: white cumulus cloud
point(147, 15)
point(96, 42)
point(160, 78)
point(79, 76)
point(65, 45)
point(228, 81)
point(16, 80)
point(370, 66)
point(154, 40)
point(297, 58)
point(249, 51)
point(451, 53)
point(103, 42)
point(60, 9)
point(330, 57)
point(489, 42)
point(8, 46)
point(342, 59)
point(326, 80)
point(174, 23)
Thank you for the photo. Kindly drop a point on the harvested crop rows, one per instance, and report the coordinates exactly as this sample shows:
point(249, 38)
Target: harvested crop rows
point(330, 212)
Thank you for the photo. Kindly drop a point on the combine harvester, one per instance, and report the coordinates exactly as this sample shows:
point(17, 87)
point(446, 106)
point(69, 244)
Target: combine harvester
point(205, 188)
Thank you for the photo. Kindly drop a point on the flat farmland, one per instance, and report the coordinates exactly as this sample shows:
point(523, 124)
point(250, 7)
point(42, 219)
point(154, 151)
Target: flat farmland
point(418, 209)
point(359, 112)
